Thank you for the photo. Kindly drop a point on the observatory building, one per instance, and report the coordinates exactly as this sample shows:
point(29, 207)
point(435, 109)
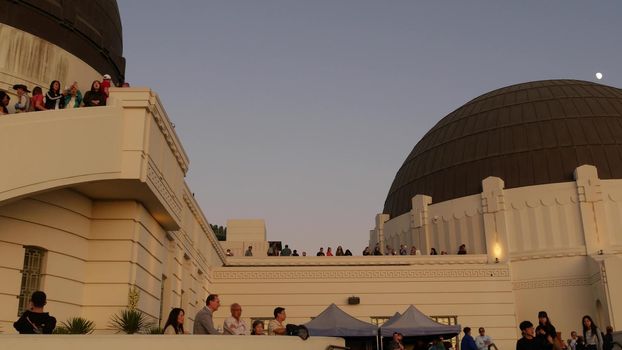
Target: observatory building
point(94, 204)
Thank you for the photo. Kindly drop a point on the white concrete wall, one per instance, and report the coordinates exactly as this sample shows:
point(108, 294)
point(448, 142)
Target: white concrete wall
point(164, 342)
point(479, 294)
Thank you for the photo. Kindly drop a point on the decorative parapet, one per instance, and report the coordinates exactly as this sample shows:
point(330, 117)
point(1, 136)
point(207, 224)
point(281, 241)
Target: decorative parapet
point(548, 254)
point(164, 189)
point(557, 282)
point(198, 215)
point(479, 273)
point(146, 98)
point(372, 260)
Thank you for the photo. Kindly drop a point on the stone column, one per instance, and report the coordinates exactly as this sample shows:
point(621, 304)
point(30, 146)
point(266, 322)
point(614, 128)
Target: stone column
point(592, 208)
point(380, 220)
point(495, 223)
point(419, 228)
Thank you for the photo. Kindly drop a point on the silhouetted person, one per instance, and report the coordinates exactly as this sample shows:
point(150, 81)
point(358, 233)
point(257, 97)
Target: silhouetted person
point(35, 320)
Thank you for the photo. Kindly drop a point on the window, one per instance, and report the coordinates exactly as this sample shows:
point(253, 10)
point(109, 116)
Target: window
point(379, 320)
point(31, 276)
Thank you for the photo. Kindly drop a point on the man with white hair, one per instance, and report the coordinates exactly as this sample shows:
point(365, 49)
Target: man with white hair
point(234, 325)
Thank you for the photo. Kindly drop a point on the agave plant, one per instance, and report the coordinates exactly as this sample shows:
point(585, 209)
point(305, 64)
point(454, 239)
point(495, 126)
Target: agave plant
point(130, 321)
point(155, 329)
point(78, 325)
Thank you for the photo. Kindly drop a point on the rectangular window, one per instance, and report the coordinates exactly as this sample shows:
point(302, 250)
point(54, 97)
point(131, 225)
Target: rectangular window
point(379, 320)
point(31, 276)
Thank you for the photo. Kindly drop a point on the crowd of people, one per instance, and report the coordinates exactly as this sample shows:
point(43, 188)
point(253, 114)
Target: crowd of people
point(36, 321)
point(545, 336)
point(274, 250)
point(57, 98)
point(233, 325)
point(405, 251)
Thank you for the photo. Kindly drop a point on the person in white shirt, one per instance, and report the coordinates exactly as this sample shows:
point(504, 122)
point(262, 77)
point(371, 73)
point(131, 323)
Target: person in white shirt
point(234, 325)
point(482, 340)
point(277, 325)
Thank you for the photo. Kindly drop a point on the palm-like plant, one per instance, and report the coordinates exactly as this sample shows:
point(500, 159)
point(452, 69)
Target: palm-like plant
point(130, 321)
point(77, 325)
point(155, 329)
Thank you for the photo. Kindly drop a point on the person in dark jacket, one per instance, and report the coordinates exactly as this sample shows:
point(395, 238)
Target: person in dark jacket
point(467, 343)
point(35, 320)
point(54, 99)
point(94, 97)
point(549, 329)
point(608, 339)
point(528, 340)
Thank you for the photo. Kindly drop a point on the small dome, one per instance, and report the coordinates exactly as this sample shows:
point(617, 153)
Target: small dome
point(90, 30)
point(526, 134)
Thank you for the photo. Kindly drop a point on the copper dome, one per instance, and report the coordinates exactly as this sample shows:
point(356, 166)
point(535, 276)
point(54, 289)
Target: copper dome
point(526, 134)
point(91, 30)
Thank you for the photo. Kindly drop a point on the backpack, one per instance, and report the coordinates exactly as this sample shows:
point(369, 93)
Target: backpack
point(299, 330)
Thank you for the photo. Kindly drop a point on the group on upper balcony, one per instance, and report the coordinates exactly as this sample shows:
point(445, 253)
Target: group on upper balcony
point(55, 98)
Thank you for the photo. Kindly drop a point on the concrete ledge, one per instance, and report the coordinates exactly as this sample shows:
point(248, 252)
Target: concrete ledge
point(163, 342)
point(371, 260)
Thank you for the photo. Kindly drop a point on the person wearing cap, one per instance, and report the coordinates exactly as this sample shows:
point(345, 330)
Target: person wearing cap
point(106, 83)
point(528, 340)
point(23, 100)
point(4, 101)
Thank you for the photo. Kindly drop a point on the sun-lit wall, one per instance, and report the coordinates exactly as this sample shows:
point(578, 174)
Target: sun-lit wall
point(30, 60)
point(101, 191)
point(561, 241)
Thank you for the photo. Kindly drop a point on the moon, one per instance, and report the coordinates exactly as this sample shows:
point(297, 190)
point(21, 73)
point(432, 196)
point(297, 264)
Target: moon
point(599, 75)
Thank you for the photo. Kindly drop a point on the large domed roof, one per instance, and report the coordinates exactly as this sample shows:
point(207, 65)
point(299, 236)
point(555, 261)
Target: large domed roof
point(526, 134)
point(91, 30)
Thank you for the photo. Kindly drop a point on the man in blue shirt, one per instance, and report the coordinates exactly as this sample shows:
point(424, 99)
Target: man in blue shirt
point(467, 343)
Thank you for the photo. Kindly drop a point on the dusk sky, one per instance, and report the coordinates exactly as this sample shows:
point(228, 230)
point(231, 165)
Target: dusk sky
point(301, 112)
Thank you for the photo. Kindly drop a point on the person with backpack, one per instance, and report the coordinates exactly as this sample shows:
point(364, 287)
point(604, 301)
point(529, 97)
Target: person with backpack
point(35, 320)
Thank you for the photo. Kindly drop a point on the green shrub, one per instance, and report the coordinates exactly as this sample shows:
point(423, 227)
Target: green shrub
point(130, 321)
point(77, 325)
